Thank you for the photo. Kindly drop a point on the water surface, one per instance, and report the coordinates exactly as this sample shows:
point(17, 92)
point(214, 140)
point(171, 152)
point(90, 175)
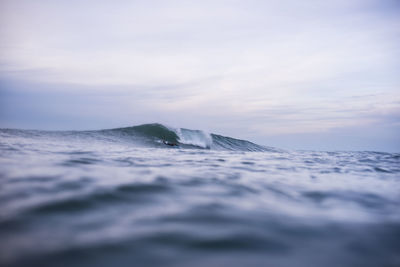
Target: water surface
point(122, 198)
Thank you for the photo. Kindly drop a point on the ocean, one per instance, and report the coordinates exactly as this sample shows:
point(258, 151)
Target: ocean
point(152, 195)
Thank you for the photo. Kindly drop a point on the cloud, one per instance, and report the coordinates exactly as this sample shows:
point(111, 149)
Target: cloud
point(253, 68)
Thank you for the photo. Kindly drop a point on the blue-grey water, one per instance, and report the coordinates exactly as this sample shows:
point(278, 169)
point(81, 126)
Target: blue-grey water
point(122, 197)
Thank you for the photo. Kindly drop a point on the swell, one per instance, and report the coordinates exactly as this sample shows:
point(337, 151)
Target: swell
point(157, 134)
point(148, 135)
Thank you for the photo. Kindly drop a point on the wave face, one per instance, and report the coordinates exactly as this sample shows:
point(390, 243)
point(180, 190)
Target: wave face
point(157, 135)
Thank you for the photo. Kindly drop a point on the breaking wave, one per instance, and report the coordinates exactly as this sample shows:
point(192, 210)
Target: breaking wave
point(158, 134)
point(153, 135)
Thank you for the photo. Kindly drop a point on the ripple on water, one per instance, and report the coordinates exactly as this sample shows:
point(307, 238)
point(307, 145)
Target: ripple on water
point(81, 161)
point(117, 205)
point(366, 200)
point(127, 193)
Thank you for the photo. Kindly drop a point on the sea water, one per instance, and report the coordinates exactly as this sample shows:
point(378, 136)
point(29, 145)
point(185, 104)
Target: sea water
point(122, 198)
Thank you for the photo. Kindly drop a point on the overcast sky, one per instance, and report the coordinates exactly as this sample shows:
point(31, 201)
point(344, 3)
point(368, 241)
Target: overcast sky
point(292, 74)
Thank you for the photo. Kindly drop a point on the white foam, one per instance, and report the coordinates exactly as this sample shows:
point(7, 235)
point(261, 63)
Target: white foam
point(194, 137)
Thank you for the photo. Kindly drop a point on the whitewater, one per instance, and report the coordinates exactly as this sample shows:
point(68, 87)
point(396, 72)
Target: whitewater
point(121, 197)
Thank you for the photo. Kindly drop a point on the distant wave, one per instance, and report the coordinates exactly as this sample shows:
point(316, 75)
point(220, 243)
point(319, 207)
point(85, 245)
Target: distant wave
point(154, 135)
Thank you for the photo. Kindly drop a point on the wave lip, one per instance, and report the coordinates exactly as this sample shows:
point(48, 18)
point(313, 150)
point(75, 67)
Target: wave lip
point(194, 137)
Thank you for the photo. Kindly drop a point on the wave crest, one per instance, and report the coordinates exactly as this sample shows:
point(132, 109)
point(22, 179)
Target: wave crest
point(194, 137)
point(152, 135)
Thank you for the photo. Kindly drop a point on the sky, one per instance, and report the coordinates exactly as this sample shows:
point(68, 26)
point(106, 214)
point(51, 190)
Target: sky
point(315, 75)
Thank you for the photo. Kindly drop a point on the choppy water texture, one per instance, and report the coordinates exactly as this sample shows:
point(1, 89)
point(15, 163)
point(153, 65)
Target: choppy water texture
point(122, 198)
